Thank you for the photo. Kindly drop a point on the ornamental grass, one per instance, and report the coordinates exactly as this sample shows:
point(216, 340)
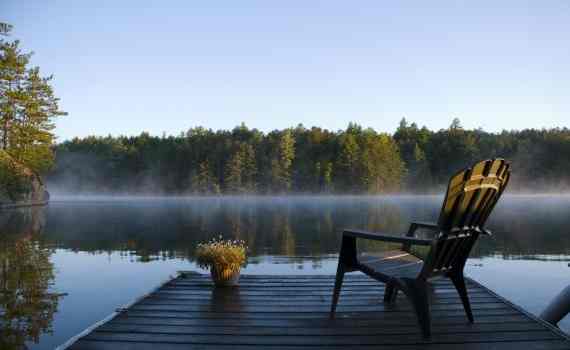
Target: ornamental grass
point(221, 254)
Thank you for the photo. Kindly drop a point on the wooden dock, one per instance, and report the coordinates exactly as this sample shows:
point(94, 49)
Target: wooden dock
point(292, 312)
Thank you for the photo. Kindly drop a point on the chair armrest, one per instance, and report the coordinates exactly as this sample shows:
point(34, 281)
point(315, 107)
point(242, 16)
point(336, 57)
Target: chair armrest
point(425, 224)
point(414, 225)
point(480, 230)
point(386, 238)
point(486, 232)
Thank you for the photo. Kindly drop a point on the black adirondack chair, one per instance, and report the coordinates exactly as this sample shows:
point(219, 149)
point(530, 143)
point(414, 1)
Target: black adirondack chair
point(470, 198)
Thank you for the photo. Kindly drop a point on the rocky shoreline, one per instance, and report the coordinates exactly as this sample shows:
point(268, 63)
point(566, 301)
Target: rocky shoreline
point(19, 185)
point(8, 205)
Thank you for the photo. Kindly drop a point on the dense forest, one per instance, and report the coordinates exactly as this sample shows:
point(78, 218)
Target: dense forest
point(302, 160)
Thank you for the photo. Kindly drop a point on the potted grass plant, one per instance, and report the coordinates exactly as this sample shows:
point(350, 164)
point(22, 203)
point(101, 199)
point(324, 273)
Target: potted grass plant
point(224, 258)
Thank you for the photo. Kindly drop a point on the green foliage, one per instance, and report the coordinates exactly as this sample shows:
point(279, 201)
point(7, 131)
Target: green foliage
point(349, 163)
point(282, 162)
point(239, 161)
point(204, 182)
point(315, 160)
point(28, 107)
point(241, 170)
point(327, 177)
point(15, 183)
point(27, 300)
point(368, 162)
point(383, 168)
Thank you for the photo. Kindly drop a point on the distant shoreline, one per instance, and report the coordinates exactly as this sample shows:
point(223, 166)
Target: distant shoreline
point(23, 204)
point(149, 197)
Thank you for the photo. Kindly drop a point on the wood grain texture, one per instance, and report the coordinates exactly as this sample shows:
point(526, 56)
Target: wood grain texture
point(287, 313)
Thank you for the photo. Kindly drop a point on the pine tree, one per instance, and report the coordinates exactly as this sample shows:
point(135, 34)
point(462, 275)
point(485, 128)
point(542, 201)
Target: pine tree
point(35, 137)
point(234, 168)
point(240, 170)
point(282, 163)
point(419, 176)
point(327, 177)
point(379, 160)
point(204, 182)
point(28, 107)
point(349, 164)
point(318, 177)
point(12, 76)
point(249, 168)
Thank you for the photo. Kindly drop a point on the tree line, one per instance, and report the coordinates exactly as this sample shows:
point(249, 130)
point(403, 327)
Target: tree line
point(356, 160)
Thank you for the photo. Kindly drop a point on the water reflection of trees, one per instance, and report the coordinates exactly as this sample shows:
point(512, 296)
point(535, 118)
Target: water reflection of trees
point(294, 226)
point(170, 229)
point(27, 304)
point(531, 227)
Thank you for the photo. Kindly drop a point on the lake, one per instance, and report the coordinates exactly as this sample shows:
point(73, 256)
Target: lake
point(72, 263)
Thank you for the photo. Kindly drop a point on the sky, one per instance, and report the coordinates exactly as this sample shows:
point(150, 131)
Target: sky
point(123, 67)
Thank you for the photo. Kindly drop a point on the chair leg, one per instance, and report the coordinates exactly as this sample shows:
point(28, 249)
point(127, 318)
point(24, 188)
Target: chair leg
point(459, 283)
point(417, 292)
point(391, 293)
point(337, 286)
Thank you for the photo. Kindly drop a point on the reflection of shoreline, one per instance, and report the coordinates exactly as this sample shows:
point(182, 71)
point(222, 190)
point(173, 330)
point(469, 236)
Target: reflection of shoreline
point(24, 221)
point(26, 275)
point(291, 225)
point(16, 205)
point(536, 257)
point(437, 194)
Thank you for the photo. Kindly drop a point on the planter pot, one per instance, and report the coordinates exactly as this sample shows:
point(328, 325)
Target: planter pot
point(225, 277)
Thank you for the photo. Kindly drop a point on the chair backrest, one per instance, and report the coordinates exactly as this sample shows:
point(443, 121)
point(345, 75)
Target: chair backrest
point(470, 198)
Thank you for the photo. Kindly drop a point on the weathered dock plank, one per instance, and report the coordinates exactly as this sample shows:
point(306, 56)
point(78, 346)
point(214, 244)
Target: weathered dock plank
point(292, 312)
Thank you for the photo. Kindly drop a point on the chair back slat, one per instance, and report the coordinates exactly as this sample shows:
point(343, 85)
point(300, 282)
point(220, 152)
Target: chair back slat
point(463, 250)
point(447, 248)
point(506, 175)
point(470, 198)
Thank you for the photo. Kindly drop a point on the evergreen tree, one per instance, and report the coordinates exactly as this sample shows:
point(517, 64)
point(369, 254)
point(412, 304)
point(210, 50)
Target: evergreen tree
point(348, 165)
point(28, 107)
point(449, 150)
point(419, 177)
point(12, 76)
point(308, 160)
point(327, 177)
point(382, 166)
point(241, 170)
point(204, 182)
point(282, 162)
point(234, 168)
point(249, 168)
point(318, 181)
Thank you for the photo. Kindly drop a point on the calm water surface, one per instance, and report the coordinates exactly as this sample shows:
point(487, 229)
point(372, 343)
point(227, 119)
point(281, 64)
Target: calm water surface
point(68, 265)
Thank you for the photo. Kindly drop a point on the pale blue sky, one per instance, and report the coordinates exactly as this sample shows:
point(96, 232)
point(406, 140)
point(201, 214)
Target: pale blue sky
point(122, 67)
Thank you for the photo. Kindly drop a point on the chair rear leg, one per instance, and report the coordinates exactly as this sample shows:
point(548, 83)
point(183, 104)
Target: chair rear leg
point(417, 293)
point(459, 283)
point(337, 286)
point(391, 293)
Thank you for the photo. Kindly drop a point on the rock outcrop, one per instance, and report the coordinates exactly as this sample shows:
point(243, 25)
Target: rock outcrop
point(19, 185)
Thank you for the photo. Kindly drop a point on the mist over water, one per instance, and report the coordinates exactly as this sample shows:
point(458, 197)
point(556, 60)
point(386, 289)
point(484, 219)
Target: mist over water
point(104, 251)
point(523, 225)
